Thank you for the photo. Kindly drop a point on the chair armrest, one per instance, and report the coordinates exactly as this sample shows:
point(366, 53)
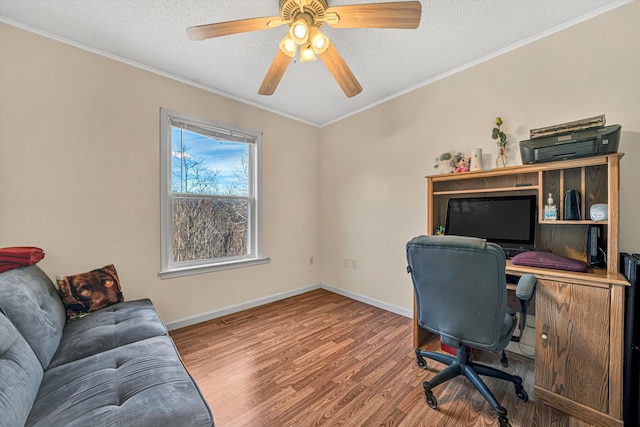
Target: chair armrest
point(524, 291)
point(526, 287)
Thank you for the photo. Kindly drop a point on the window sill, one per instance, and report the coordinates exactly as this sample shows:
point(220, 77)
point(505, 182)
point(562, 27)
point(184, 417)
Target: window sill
point(200, 269)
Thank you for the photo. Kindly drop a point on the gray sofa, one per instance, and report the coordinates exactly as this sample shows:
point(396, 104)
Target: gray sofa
point(115, 367)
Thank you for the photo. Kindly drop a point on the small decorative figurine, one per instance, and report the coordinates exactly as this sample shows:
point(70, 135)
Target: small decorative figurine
point(463, 164)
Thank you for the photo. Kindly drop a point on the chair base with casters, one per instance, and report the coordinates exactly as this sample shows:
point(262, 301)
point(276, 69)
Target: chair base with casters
point(463, 365)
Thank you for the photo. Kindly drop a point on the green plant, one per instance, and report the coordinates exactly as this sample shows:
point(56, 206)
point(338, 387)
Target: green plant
point(499, 135)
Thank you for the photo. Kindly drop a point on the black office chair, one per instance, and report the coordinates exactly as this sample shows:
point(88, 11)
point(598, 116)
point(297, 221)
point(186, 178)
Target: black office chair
point(461, 295)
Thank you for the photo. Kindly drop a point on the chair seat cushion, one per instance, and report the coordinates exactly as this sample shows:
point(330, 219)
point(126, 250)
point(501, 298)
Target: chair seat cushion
point(139, 384)
point(108, 328)
point(508, 326)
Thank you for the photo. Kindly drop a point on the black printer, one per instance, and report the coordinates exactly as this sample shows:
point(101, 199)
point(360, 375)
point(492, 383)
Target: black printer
point(571, 145)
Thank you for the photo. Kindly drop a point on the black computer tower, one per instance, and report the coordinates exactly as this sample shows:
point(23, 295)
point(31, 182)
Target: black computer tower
point(630, 267)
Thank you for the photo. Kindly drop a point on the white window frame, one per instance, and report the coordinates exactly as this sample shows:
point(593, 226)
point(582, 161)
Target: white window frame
point(169, 268)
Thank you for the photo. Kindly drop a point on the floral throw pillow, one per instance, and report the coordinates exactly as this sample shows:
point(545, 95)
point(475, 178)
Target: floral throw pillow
point(87, 292)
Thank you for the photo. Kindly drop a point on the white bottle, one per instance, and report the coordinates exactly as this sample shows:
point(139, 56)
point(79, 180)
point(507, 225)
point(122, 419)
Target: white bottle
point(550, 210)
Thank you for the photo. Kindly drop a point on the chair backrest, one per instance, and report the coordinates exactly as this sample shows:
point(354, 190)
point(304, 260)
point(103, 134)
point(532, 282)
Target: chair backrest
point(460, 289)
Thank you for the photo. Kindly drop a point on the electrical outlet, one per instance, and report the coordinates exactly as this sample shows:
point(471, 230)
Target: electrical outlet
point(354, 264)
point(310, 260)
point(345, 263)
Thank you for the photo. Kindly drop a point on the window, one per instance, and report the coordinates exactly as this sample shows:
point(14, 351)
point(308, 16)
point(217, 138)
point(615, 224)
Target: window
point(209, 196)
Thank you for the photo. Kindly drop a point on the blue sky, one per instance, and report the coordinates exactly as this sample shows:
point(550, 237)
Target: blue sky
point(221, 156)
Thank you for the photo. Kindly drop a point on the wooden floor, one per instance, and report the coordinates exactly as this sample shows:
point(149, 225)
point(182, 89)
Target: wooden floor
point(323, 359)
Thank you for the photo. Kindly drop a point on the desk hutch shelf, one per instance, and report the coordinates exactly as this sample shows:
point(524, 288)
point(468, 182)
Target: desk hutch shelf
point(579, 316)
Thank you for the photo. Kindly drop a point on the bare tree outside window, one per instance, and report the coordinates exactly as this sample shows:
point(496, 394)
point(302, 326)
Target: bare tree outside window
point(208, 228)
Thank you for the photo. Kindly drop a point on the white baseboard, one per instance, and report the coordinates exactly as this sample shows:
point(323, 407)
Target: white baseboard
point(374, 302)
point(203, 317)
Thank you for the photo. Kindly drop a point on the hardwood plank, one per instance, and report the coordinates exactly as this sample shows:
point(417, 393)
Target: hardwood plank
point(323, 359)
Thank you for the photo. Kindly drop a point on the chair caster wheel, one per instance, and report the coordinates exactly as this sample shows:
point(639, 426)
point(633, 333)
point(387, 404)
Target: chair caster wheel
point(420, 360)
point(504, 361)
point(422, 364)
point(521, 394)
point(431, 399)
point(503, 421)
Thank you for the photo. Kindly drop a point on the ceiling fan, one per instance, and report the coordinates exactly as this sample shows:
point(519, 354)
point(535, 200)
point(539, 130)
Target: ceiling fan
point(305, 18)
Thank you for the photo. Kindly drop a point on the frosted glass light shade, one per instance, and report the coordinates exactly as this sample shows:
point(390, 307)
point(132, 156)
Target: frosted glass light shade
point(288, 46)
point(299, 32)
point(319, 42)
point(306, 54)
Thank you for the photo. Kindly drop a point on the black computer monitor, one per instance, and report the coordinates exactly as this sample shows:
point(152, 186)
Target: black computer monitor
point(509, 221)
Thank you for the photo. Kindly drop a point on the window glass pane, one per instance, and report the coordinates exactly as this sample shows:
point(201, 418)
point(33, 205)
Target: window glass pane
point(206, 228)
point(203, 165)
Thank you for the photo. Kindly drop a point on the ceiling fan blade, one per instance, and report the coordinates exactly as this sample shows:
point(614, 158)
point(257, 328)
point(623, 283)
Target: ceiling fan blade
point(275, 73)
point(401, 14)
point(207, 31)
point(340, 71)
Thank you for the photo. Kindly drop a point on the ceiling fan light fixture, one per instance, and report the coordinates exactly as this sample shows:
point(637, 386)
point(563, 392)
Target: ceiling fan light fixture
point(319, 42)
point(288, 46)
point(299, 32)
point(306, 54)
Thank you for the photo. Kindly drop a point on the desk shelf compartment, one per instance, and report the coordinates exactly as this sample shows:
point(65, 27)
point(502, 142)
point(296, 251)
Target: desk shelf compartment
point(589, 181)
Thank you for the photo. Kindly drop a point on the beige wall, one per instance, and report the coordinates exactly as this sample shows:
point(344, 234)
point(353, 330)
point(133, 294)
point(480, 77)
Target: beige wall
point(373, 196)
point(79, 175)
point(79, 161)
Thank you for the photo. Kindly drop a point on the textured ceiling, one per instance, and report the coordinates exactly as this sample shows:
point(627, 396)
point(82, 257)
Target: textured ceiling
point(452, 35)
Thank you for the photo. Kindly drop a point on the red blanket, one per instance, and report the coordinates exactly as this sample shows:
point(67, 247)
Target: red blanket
point(5, 267)
point(19, 256)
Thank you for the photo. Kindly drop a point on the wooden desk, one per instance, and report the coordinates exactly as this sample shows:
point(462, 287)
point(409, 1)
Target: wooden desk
point(579, 316)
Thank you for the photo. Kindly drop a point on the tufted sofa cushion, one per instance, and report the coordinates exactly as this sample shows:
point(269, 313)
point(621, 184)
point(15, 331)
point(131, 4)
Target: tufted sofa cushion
point(139, 384)
point(20, 373)
point(30, 300)
point(108, 328)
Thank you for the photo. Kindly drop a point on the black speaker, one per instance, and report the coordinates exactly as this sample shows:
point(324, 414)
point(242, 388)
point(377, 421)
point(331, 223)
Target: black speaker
point(596, 249)
point(572, 205)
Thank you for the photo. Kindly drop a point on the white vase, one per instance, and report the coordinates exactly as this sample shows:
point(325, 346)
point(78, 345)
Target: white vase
point(476, 159)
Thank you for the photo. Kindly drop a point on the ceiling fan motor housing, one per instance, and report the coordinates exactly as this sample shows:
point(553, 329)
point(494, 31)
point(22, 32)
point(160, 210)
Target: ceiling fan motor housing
point(313, 11)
